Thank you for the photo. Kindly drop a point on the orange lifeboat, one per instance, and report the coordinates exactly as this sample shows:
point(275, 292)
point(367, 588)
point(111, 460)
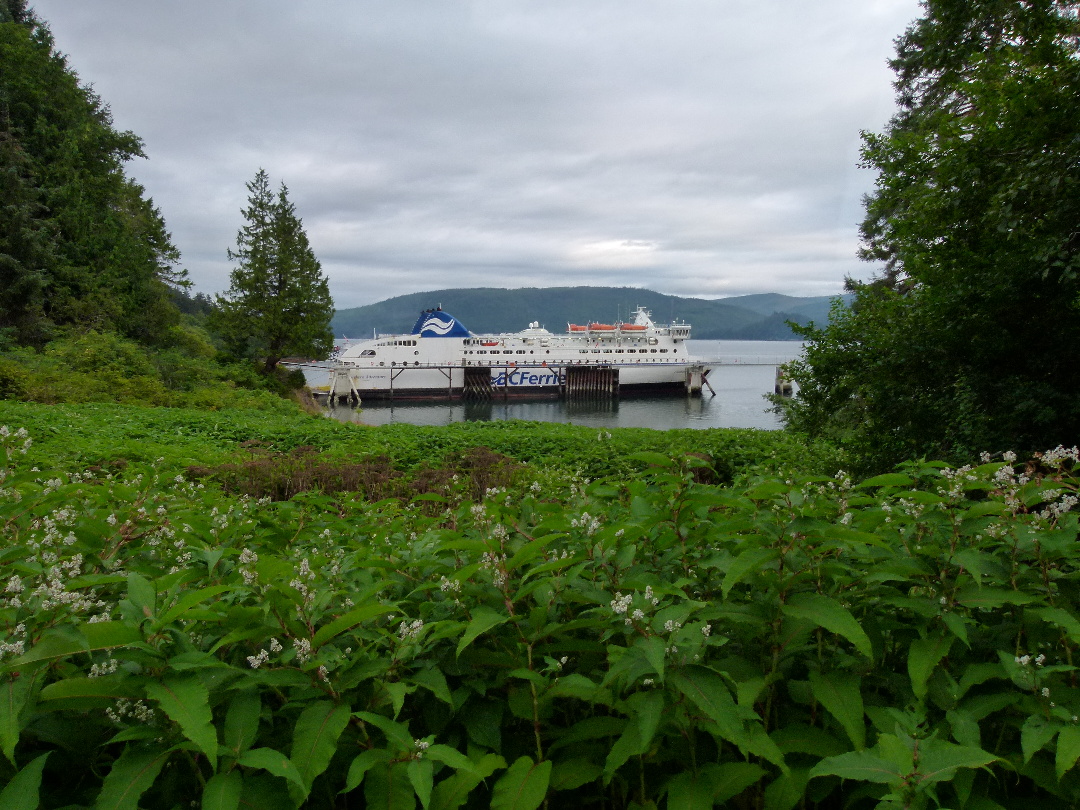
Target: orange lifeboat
point(574, 327)
point(633, 327)
point(601, 327)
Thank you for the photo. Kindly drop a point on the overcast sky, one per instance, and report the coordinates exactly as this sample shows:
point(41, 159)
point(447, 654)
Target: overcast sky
point(703, 148)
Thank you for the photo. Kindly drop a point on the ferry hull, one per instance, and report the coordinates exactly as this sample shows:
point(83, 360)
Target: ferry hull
point(512, 382)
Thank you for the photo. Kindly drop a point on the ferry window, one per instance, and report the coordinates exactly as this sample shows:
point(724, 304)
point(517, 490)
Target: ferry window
point(583, 351)
point(631, 351)
point(481, 351)
point(520, 351)
point(367, 353)
point(607, 351)
point(618, 351)
point(416, 352)
point(663, 351)
point(596, 351)
point(674, 351)
point(653, 351)
point(508, 351)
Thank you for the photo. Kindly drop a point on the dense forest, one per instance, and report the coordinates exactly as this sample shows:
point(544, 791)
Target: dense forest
point(233, 603)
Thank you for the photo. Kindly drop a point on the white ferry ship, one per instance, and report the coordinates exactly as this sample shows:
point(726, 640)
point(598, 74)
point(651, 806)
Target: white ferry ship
point(441, 358)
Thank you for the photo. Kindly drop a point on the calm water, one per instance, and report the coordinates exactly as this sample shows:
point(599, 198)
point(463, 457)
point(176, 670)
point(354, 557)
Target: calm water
point(740, 387)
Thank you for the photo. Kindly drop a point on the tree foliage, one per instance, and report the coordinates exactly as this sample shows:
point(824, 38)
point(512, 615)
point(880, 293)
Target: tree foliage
point(80, 244)
point(963, 342)
point(278, 303)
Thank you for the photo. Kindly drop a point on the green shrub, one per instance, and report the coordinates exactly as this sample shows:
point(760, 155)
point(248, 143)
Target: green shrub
point(901, 642)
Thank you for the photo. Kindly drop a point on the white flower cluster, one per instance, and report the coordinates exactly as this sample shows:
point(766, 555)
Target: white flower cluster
point(106, 667)
point(1059, 455)
point(410, 631)
point(1056, 510)
point(496, 564)
point(138, 711)
point(1025, 660)
point(256, 661)
point(588, 523)
point(305, 576)
point(303, 650)
point(14, 645)
point(248, 558)
point(451, 587)
point(420, 747)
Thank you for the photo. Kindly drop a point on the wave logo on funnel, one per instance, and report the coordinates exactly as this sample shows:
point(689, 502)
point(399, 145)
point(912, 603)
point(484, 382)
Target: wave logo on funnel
point(437, 325)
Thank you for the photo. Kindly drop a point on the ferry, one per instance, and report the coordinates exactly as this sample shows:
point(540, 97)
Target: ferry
point(440, 358)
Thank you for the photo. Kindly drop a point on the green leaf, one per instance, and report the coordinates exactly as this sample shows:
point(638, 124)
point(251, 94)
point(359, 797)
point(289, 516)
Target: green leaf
point(834, 617)
point(450, 756)
point(940, 762)
point(187, 702)
point(628, 745)
point(787, 790)
point(685, 792)
point(188, 601)
point(451, 793)
point(81, 694)
point(924, 655)
point(840, 693)
point(1062, 618)
point(387, 787)
point(860, 765)
point(60, 643)
point(274, 762)
point(222, 791)
point(570, 774)
point(22, 792)
point(242, 723)
point(435, 682)
point(14, 692)
point(707, 690)
point(973, 596)
point(749, 561)
point(315, 737)
point(1036, 734)
point(888, 480)
point(483, 619)
point(732, 778)
point(1068, 750)
point(349, 620)
point(421, 775)
point(142, 594)
point(523, 786)
point(363, 763)
point(396, 733)
point(130, 777)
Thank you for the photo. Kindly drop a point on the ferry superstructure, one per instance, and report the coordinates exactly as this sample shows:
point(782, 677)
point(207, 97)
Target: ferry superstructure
point(441, 358)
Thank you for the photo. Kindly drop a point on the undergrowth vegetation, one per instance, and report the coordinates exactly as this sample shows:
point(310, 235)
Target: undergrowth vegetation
point(488, 628)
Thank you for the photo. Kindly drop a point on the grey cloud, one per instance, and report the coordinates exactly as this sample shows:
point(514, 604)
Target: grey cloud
point(694, 147)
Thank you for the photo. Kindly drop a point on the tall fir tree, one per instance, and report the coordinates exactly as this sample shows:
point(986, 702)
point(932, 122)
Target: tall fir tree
point(278, 303)
point(80, 244)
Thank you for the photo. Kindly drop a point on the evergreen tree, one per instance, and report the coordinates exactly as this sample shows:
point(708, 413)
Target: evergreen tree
point(964, 343)
point(278, 304)
point(79, 242)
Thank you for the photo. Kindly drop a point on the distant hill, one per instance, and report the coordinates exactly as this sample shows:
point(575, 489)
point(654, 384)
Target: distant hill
point(487, 309)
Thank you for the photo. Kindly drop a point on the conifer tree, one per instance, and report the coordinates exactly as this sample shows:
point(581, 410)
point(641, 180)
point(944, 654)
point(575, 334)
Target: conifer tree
point(278, 303)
